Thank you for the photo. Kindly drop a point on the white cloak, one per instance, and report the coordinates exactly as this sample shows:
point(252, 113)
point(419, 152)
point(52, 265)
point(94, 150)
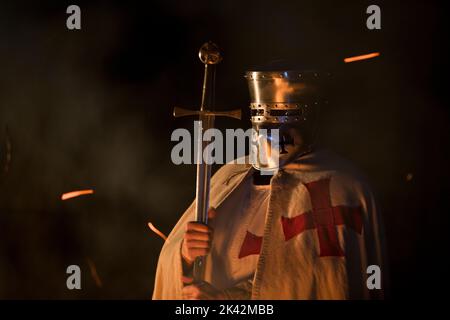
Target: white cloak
point(322, 231)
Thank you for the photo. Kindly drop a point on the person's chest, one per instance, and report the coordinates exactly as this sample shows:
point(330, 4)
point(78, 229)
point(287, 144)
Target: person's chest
point(238, 230)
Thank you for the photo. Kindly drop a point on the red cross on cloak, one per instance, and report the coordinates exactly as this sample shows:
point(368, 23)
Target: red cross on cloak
point(324, 218)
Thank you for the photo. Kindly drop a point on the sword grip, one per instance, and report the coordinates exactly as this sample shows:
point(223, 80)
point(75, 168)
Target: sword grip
point(199, 269)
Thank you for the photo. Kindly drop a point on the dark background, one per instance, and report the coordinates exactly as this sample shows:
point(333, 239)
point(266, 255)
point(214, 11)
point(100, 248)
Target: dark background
point(92, 109)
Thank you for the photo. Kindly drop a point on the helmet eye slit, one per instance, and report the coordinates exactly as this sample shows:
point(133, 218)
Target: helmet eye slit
point(287, 113)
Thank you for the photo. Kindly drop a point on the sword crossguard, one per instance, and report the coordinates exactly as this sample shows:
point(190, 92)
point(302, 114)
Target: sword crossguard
point(209, 55)
point(182, 112)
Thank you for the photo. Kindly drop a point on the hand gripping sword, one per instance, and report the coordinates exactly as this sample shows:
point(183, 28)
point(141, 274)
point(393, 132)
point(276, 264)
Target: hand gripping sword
point(210, 56)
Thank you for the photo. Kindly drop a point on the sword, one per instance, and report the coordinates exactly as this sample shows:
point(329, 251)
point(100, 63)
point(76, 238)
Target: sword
point(210, 56)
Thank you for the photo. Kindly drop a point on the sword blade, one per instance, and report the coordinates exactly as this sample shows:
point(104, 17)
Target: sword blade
point(203, 172)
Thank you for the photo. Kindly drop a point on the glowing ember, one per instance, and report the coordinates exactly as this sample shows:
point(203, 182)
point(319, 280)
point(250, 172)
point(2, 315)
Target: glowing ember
point(74, 194)
point(94, 273)
point(409, 177)
point(159, 233)
point(362, 57)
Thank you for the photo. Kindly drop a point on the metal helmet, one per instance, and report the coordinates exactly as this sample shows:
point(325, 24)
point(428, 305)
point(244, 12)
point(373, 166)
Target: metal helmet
point(283, 100)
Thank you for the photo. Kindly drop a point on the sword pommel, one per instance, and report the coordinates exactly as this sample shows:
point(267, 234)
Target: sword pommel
point(209, 53)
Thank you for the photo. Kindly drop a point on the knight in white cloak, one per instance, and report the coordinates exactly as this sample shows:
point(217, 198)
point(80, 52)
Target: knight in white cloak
point(310, 230)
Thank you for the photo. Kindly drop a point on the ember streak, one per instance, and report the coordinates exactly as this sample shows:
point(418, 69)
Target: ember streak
point(74, 194)
point(362, 57)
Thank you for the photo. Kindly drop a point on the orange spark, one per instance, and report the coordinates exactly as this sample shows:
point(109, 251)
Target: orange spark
point(159, 233)
point(94, 273)
point(362, 57)
point(74, 194)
